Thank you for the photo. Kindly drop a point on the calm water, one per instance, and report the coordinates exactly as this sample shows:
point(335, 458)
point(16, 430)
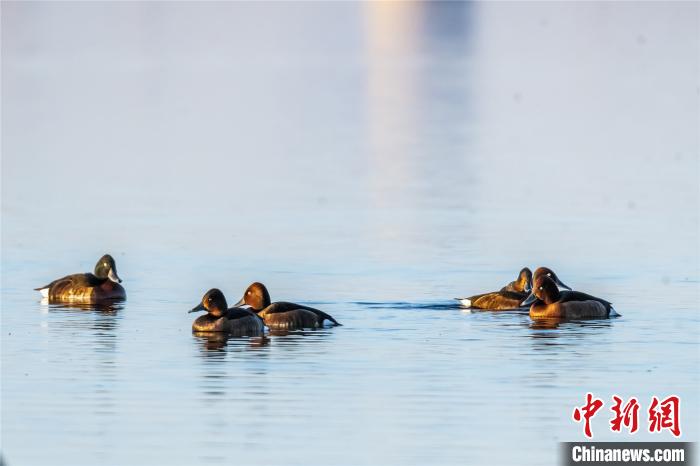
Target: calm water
point(374, 160)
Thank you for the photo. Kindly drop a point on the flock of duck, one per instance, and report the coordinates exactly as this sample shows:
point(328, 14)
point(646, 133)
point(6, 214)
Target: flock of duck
point(541, 291)
point(255, 310)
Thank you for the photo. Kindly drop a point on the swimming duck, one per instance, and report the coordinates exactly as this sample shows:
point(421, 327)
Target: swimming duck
point(282, 315)
point(236, 321)
point(548, 302)
point(509, 297)
point(87, 288)
point(545, 271)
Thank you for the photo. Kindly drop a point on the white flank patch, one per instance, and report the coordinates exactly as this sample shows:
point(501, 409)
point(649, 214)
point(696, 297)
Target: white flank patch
point(466, 302)
point(44, 292)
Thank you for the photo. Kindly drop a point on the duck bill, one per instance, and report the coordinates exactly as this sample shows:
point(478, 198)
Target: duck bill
point(240, 303)
point(529, 300)
point(561, 284)
point(112, 275)
point(198, 308)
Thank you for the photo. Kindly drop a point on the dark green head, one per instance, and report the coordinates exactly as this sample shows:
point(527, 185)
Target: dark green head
point(213, 302)
point(106, 268)
point(256, 296)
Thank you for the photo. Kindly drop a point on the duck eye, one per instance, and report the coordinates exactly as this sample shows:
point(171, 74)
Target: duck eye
point(540, 288)
point(248, 292)
point(549, 274)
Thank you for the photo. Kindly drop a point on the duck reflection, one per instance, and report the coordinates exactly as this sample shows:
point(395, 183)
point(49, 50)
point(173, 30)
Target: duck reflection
point(219, 342)
point(557, 332)
point(545, 324)
point(104, 308)
point(105, 316)
point(216, 345)
point(555, 323)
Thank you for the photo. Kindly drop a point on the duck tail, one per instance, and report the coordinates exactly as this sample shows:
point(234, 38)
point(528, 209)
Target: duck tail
point(335, 322)
point(466, 302)
point(329, 318)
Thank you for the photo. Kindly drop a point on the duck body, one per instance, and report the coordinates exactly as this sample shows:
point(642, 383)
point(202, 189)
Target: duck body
point(508, 297)
point(236, 321)
point(569, 310)
point(495, 301)
point(82, 288)
point(282, 315)
point(87, 288)
point(290, 316)
point(548, 302)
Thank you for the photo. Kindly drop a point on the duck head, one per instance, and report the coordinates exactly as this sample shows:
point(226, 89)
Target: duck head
point(545, 271)
point(256, 296)
point(524, 280)
point(106, 268)
point(545, 290)
point(213, 302)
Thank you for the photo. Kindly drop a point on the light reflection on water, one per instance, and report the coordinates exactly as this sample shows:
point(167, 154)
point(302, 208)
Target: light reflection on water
point(373, 160)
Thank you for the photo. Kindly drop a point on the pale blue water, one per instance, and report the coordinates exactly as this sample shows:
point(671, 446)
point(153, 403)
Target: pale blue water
point(373, 160)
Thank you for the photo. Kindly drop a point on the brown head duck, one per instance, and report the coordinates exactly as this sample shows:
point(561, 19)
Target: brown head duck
point(282, 315)
point(545, 271)
point(509, 297)
point(548, 302)
point(87, 288)
point(522, 284)
point(219, 318)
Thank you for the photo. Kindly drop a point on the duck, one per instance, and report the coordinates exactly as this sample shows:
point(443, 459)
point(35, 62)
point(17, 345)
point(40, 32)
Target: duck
point(508, 297)
point(546, 271)
point(235, 321)
point(87, 288)
point(282, 315)
point(547, 301)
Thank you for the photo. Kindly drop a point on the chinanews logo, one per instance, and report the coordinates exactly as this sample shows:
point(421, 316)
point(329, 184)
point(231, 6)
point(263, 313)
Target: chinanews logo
point(627, 416)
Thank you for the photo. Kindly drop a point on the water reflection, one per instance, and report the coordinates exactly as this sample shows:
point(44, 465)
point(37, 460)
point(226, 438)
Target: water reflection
point(549, 334)
point(413, 95)
point(103, 319)
point(219, 342)
point(554, 323)
point(105, 308)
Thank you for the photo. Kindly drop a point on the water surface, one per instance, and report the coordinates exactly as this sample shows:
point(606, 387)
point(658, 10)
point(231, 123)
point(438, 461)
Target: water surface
point(373, 160)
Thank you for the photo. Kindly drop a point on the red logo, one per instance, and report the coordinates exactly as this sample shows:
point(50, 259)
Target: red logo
point(589, 409)
point(627, 415)
point(664, 414)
